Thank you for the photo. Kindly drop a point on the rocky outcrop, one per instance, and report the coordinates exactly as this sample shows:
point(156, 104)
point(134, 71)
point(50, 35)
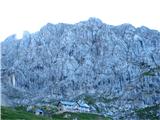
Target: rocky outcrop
point(64, 61)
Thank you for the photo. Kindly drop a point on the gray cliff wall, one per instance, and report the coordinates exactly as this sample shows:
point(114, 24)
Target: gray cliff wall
point(65, 61)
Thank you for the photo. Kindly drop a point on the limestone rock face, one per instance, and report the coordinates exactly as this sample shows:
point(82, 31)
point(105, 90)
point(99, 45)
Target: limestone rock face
point(64, 61)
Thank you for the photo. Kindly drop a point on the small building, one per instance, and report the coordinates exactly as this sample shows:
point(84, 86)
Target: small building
point(67, 106)
point(83, 107)
point(73, 106)
point(39, 112)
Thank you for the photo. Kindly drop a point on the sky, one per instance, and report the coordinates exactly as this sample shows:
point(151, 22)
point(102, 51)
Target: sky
point(17, 16)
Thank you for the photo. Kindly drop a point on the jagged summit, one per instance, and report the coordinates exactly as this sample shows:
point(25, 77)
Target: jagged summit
point(94, 21)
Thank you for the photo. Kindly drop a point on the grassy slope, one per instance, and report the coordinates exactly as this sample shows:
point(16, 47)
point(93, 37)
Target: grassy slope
point(81, 116)
point(13, 114)
point(20, 114)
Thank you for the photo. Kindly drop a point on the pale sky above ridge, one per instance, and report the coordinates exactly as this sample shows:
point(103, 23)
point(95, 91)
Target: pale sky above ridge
point(17, 16)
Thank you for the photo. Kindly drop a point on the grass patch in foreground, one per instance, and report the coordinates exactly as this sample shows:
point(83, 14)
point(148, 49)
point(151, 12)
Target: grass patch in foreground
point(79, 116)
point(8, 113)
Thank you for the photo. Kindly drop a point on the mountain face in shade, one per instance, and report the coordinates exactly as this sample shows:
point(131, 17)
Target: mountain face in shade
point(65, 61)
